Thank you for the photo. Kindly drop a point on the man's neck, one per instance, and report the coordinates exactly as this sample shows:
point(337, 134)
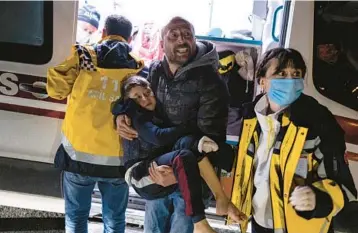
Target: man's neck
point(173, 68)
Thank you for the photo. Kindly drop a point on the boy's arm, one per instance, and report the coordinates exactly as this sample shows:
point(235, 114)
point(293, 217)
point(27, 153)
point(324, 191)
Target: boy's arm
point(153, 134)
point(61, 78)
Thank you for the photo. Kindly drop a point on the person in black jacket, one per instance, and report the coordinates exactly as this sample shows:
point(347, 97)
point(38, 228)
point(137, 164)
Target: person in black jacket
point(155, 145)
point(187, 86)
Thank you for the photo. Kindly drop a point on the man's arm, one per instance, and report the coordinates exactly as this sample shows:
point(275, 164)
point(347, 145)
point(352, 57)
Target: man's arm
point(61, 78)
point(213, 106)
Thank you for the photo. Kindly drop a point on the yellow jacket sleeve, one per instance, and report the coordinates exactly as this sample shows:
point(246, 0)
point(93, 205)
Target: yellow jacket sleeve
point(61, 78)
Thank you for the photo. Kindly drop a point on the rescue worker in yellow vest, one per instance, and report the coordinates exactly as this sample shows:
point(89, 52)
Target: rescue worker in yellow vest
point(90, 151)
point(291, 176)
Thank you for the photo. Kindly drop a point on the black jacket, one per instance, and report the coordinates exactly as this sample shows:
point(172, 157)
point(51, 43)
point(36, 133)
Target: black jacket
point(194, 92)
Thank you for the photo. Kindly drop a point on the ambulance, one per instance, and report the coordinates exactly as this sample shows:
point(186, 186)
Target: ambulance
point(38, 34)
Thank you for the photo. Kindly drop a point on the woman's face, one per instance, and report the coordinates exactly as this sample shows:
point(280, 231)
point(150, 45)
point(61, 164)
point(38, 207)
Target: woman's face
point(143, 96)
point(288, 72)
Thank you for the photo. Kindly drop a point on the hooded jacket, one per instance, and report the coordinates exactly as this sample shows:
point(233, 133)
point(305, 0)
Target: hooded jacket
point(194, 92)
point(90, 79)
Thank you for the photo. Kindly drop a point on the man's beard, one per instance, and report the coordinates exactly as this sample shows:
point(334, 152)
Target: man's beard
point(174, 54)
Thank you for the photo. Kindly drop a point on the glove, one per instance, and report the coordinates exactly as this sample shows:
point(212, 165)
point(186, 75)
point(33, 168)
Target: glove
point(303, 198)
point(207, 145)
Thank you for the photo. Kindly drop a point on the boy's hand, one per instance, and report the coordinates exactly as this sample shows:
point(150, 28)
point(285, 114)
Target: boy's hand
point(124, 128)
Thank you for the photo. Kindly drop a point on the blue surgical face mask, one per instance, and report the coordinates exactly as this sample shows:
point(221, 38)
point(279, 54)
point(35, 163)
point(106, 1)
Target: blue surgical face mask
point(284, 91)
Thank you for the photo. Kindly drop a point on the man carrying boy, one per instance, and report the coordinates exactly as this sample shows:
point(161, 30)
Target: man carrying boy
point(188, 87)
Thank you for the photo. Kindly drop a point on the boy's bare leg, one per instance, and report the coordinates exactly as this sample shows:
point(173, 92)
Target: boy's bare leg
point(209, 175)
point(203, 227)
point(223, 204)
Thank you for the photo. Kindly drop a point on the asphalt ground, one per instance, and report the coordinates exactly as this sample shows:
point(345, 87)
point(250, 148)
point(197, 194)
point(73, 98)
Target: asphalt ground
point(32, 221)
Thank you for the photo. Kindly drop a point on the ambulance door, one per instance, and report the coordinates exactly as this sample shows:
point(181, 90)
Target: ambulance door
point(320, 31)
point(35, 35)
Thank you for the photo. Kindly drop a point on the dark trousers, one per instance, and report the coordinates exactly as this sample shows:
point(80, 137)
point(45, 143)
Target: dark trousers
point(186, 170)
point(256, 228)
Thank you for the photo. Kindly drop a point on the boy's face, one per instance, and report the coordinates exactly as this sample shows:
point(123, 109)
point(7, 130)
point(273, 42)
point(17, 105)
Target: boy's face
point(143, 96)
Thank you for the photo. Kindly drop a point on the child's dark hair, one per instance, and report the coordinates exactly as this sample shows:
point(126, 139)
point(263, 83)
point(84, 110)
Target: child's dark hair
point(286, 57)
point(132, 81)
point(118, 25)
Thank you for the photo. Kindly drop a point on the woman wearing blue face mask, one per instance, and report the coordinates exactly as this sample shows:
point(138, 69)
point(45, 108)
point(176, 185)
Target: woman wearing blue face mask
point(290, 169)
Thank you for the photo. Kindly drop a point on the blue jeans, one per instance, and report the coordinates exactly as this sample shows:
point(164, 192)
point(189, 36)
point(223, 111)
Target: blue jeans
point(167, 215)
point(78, 191)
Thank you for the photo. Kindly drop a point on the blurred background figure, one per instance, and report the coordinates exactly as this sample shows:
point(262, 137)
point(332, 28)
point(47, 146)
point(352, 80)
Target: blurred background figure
point(87, 23)
point(147, 43)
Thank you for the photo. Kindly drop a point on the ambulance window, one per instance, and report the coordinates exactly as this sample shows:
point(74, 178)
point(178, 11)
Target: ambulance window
point(26, 31)
point(335, 67)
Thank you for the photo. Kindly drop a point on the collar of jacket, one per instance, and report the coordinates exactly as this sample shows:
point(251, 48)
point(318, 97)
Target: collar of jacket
point(296, 112)
point(113, 37)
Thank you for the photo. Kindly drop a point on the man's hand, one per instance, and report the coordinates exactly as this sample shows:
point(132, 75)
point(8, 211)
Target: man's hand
point(162, 175)
point(124, 128)
point(303, 198)
point(207, 145)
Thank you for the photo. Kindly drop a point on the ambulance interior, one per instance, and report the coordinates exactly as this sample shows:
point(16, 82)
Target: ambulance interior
point(40, 37)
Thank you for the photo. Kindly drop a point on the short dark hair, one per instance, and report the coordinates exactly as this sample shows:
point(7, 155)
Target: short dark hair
point(285, 56)
point(132, 81)
point(118, 25)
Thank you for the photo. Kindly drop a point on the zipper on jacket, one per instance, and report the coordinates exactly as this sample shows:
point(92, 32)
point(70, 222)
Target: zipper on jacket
point(335, 166)
point(271, 134)
point(165, 95)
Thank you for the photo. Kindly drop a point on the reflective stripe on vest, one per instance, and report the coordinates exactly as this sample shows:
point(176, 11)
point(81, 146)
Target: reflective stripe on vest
point(90, 158)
